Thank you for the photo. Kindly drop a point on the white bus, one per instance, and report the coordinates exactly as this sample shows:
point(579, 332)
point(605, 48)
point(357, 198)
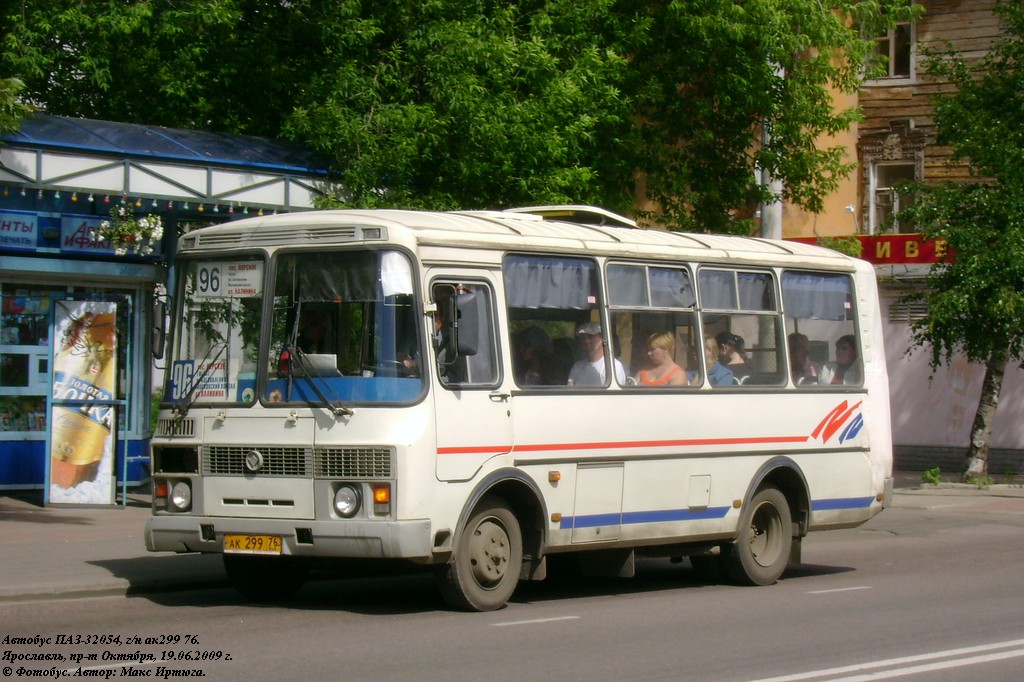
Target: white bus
point(480, 391)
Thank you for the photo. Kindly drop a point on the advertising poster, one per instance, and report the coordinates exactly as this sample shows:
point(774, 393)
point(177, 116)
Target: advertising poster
point(83, 416)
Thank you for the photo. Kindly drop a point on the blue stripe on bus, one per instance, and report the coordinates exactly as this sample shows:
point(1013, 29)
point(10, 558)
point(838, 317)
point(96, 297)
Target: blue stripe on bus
point(842, 503)
point(665, 515)
point(657, 516)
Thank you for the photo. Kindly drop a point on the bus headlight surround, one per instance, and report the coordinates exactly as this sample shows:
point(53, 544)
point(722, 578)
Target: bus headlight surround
point(347, 500)
point(180, 497)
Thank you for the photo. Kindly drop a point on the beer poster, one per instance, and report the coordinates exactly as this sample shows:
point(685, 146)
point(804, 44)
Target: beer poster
point(83, 405)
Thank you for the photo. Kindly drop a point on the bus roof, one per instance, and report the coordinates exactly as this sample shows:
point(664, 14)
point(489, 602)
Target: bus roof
point(562, 229)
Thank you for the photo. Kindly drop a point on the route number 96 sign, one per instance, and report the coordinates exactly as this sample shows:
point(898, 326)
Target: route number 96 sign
point(229, 279)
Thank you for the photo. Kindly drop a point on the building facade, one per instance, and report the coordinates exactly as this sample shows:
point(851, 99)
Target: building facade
point(896, 141)
point(59, 179)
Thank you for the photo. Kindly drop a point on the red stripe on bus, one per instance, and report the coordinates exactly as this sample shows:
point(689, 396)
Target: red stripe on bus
point(558, 447)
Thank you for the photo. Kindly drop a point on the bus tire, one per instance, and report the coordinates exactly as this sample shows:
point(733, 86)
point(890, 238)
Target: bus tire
point(265, 579)
point(484, 572)
point(760, 552)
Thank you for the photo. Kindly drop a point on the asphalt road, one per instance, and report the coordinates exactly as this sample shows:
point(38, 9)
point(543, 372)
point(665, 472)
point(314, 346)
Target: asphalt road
point(928, 590)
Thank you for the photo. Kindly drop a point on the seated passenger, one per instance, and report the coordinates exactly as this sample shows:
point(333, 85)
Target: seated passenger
point(661, 351)
point(590, 371)
point(534, 356)
point(718, 374)
point(730, 354)
point(804, 370)
point(847, 367)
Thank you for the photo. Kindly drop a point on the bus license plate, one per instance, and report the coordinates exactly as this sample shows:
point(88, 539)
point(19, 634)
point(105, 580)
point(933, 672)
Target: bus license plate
point(252, 544)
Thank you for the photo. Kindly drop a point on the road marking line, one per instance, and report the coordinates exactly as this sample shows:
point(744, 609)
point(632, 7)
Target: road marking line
point(868, 665)
point(931, 667)
point(841, 589)
point(531, 622)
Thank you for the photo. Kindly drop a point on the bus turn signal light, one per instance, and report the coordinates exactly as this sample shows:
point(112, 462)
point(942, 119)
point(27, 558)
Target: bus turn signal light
point(381, 493)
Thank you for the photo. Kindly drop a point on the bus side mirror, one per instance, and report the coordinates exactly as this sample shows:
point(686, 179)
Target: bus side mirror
point(467, 322)
point(159, 334)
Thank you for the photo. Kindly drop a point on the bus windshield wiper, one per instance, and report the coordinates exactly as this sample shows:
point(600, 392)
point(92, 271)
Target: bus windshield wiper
point(336, 407)
point(186, 401)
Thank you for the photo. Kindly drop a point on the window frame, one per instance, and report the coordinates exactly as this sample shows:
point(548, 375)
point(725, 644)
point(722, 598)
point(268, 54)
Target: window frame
point(892, 38)
point(875, 222)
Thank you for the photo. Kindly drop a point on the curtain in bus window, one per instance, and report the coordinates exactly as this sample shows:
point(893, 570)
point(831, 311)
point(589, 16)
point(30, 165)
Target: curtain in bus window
point(627, 285)
point(718, 289)
point(816, 296)
point(756, 292)
point(671, 288)
point(543, 282)
point(346, 276)
point(395, 274)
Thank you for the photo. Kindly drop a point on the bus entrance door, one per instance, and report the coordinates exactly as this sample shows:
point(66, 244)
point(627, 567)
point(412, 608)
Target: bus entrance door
point(472, 411)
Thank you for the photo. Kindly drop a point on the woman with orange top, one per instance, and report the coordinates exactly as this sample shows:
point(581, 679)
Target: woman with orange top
point(661, 351)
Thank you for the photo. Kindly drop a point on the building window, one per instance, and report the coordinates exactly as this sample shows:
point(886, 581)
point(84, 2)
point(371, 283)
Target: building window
point(896, 49)
point(886, 198)
point(907, 311)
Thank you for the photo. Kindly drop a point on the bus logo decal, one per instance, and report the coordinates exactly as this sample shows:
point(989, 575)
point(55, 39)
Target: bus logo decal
point(834, 421)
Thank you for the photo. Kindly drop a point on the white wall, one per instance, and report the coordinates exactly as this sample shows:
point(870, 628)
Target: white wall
point(940, 412)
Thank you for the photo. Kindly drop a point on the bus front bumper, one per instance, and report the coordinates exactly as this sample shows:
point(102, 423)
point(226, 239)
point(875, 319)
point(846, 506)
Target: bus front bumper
point(307, 538)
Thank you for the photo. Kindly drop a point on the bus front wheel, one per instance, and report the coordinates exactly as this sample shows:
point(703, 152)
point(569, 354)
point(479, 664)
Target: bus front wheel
point(761, 551)
point(488, 559)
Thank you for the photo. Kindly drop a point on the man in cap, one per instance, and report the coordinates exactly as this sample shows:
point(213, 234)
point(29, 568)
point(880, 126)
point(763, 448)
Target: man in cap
point(590, 371)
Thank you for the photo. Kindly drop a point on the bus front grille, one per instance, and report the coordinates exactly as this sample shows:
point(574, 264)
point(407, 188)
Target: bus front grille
point(231, 460)
point(176, 427)
point(353, 463)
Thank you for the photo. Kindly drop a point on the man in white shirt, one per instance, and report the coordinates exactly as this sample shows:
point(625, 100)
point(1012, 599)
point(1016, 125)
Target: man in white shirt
point(591, 370)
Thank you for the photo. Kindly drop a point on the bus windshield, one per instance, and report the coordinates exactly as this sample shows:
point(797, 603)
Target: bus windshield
point(341, 330)
point(216, 335)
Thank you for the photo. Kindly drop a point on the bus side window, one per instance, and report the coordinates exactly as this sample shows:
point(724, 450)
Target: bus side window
point(740, 312)
point(824, 347)
point(654, 305)
point(549, 300)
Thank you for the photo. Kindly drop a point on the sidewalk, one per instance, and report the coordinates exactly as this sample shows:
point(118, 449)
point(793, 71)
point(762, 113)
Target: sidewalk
point(60, 552)
point(68, 552)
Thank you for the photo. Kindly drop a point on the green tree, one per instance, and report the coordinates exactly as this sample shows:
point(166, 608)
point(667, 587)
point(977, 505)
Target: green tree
point(12, 109)
point(976, 298)
point(483, 103)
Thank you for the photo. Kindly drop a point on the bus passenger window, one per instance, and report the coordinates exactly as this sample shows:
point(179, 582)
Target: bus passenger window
point(824, 347)
point(550, 300)
point(740, 312)
point(654, 324)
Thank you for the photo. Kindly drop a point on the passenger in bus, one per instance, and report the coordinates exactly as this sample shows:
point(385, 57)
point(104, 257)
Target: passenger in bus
point(718, 374)
point(661, 352)
point(730, 354)
point(590, 370)
point(846, 369)
point(534, 357)
point(804, 370)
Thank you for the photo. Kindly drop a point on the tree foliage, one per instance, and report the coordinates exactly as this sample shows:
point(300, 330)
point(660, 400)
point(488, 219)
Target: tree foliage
point(482, 103)
point(976, 299)
point(12, 109)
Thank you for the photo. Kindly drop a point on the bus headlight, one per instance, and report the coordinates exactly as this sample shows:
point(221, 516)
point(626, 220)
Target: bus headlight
point(346, 500)
point(181, 496)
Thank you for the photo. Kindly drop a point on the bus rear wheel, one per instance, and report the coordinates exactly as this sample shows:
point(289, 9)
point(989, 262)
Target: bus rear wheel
point(485, 570)
point(265, 579)
point(760, 552)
